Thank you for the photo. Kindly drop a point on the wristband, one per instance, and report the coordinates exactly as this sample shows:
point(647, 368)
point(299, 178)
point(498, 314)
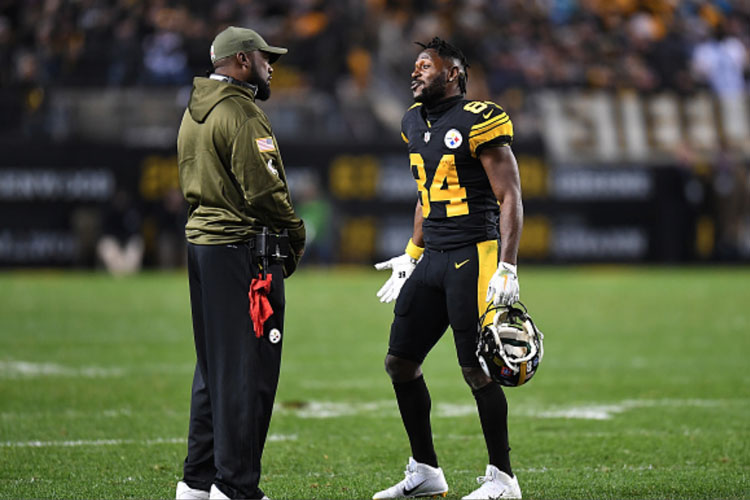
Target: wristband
point(413, 250)
point(509, 267)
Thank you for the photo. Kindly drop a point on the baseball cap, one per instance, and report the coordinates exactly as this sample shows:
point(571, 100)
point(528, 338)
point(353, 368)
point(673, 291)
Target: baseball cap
point(233, 40)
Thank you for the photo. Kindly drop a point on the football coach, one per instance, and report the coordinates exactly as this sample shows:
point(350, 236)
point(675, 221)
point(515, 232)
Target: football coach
point(244, 238)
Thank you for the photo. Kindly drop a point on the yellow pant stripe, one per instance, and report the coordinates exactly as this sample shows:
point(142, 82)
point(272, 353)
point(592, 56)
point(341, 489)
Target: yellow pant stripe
point(487, 252)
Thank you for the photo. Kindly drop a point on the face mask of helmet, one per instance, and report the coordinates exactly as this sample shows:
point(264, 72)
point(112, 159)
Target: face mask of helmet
point(511, 348)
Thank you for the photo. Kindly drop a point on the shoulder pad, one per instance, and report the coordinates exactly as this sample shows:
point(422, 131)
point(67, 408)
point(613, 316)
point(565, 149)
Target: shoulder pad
point(491, 123)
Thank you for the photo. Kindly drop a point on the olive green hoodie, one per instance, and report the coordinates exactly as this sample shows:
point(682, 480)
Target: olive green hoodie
point(231, 171)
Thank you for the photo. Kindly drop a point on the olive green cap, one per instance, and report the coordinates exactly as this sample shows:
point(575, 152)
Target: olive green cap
point(233, 40)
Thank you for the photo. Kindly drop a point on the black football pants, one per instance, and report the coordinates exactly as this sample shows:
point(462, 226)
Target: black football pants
point(236, 373)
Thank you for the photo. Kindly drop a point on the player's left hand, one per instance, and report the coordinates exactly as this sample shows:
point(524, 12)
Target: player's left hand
point(503, 288)
point(402, 267)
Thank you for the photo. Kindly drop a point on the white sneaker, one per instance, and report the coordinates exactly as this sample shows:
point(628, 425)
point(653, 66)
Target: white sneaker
point(217, 494)
point(495, 484)
point(421, 481)
point(185, 492)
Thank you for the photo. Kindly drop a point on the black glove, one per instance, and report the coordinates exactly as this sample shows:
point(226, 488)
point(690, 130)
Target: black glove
point(296, 249)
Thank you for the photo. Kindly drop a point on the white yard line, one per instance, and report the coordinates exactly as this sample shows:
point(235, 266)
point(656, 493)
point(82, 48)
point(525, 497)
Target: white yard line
point(15, 369)
point(118, 442)
point(388, 408)
point(608, 411)
point(89, 442)
point(27, 369)
point(71, 414)
point(330, 409)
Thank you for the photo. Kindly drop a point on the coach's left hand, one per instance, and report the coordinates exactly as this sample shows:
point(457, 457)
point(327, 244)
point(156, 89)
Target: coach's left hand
point(503, 288)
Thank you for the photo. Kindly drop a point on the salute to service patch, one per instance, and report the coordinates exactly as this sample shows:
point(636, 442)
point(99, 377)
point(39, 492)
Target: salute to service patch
point(265, 144)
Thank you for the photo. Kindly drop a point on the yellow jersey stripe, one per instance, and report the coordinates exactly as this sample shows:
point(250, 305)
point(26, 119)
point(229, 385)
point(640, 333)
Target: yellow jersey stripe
point(414, 105)
point(501, 130)
point(404, 138)
point(488, 128)
point(490, 121)
point(487, 253)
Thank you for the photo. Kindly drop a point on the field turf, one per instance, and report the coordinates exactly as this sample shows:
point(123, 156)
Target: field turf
point(644, 391)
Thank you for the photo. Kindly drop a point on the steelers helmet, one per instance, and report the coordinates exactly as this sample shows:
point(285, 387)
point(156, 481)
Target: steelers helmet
point(510, 348)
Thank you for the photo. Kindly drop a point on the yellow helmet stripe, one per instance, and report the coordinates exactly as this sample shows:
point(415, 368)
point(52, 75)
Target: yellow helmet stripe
point(522, 374)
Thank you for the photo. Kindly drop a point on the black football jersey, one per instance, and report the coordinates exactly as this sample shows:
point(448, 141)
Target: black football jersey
point(458, 204)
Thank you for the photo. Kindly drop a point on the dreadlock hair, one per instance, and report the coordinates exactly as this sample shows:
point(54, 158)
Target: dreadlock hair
point(448, 51)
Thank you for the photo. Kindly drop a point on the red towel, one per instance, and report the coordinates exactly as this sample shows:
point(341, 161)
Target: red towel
point(260, 308)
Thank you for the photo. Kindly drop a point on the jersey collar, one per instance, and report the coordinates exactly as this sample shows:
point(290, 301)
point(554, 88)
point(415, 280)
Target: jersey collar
point(434, 111)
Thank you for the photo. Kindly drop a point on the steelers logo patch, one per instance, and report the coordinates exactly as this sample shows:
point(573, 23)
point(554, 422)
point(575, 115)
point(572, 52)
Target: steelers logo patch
point(274, 336)
point(453, 138)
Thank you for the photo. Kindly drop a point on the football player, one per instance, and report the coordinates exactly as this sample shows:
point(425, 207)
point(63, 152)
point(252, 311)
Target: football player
point(469, 198)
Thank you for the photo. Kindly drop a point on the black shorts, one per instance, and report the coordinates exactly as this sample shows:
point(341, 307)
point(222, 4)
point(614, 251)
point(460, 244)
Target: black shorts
point(447, 288)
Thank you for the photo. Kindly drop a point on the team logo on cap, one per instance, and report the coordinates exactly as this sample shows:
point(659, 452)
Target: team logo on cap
point(453, 138)
point(213, 54)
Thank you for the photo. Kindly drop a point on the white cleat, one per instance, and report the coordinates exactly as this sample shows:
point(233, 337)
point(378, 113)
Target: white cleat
point(217, 494)
point(185, 492)
point(495, 484)
point(421, 481)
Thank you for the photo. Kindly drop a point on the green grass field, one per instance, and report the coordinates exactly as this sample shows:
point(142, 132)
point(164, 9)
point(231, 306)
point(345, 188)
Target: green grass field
point(644, 391)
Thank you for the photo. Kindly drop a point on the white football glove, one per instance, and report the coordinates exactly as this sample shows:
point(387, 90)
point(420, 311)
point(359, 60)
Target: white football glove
point(402, 267)
point(503, 288)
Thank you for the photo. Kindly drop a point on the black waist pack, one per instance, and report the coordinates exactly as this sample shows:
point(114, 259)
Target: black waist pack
point(269, 246)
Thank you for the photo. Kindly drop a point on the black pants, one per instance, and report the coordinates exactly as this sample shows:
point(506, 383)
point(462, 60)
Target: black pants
point(236, 373)
point(446, 288)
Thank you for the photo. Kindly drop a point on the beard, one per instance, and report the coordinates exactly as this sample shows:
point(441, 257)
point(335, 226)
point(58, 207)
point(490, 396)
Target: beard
point(264, 88)
point(433, 92)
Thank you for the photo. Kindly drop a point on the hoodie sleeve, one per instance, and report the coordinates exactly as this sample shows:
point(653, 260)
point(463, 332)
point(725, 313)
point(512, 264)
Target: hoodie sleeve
point(256, 164)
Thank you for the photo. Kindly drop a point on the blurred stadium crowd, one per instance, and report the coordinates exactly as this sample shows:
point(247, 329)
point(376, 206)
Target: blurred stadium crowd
point(106, 82)
point(342, 47)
